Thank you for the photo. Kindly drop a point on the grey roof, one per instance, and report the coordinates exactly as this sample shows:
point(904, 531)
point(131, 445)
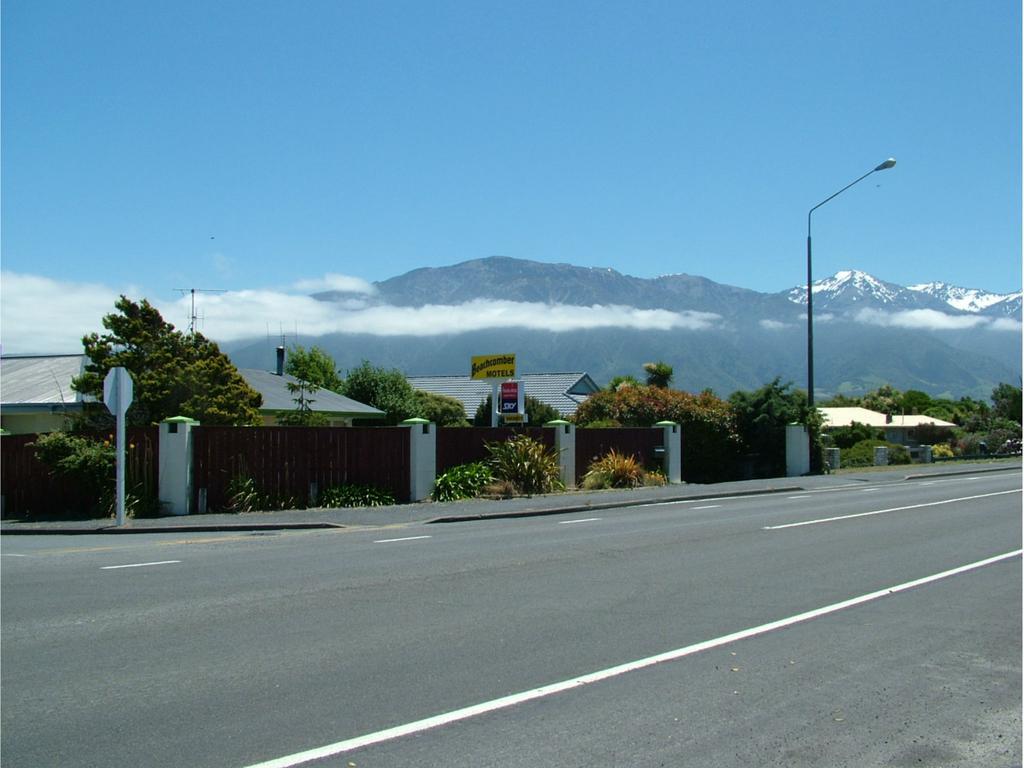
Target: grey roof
point(39, 380)
point(276, 396)
point(562, 391)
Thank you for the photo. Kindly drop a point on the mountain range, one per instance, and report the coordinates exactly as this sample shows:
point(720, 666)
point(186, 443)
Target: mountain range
point(942, 339)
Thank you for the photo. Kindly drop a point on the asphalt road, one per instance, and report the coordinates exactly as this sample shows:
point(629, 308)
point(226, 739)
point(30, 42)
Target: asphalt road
point(859, 625)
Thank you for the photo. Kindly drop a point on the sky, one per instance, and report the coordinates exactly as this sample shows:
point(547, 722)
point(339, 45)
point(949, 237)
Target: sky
point(271, 149)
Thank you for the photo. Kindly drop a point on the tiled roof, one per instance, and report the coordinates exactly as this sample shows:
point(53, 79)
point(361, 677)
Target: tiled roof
point(276, 396)
point(562, 391)
point(27, 380)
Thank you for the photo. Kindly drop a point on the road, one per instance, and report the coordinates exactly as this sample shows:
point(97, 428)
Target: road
point(852, 625)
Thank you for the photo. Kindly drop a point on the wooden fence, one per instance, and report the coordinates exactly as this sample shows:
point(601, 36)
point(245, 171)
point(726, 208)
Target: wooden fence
point(639, 442)
point(32, 490)
point(283, 462)
point(462, 445)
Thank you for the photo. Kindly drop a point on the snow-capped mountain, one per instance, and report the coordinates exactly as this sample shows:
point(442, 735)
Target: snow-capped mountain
point(852, 289)
point(971, 299)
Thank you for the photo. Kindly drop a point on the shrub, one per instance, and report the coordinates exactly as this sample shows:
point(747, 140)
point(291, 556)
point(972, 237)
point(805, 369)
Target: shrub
point(847, 437)
point(614, 470)
point(863, 454)
point(526, 464)
point(355, 495)
point(245, 496)
point(942, 451)
point(709, 423)
point(462, 482)
point(91, 464)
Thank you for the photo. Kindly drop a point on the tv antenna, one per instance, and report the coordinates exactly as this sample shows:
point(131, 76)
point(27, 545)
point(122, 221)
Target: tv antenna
point(282, 335)
point(193, 292)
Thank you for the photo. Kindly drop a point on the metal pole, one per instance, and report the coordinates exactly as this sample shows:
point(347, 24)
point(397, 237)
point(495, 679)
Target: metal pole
point(120, 468)
point(810, 303)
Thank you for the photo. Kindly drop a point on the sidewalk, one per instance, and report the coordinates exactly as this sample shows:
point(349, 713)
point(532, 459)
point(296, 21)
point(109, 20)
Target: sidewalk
point(479, 509)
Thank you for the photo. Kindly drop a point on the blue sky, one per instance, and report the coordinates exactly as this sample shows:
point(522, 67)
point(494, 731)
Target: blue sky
point(266, 148)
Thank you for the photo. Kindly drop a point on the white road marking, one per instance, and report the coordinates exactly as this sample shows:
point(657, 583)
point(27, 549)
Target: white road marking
point(11, 554)
point(137, 565)
point(866, 490)
point(709, 506)
point(405, 538)
point(583, 520)
point(418, 726)
point(884, 511)
point(798, 497)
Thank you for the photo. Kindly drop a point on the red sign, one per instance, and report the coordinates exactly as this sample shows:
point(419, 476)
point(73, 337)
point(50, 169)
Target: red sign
point(509, 397)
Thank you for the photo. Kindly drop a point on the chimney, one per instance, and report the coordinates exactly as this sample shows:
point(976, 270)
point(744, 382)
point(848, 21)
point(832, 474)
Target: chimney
point(280, 361)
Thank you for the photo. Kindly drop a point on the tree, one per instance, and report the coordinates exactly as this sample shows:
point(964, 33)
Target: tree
point(914, 401)
point(442, 410)
point(762, 416)
point(659, 374)
point(313, 366)
point(303, 415)
point(387, 390)
point(622, 381)
point(174, 374)
point(537, 413)
point(1006, 399)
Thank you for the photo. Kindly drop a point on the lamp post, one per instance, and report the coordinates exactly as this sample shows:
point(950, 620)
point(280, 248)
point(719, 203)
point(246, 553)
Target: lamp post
point(810, 284)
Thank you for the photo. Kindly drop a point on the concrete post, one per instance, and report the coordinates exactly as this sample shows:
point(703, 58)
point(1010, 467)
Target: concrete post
point(798, 452)
point(834, 458)
point(881, 456)
point(672, 459)
point(174, 481)
point(565, 444)
point(422, 458)
point(926, 454)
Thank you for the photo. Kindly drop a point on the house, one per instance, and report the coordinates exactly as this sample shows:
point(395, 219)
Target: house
point(273, 386)
point(36, 394)
point(562, 391)
point(339, 410)
point(898, 428)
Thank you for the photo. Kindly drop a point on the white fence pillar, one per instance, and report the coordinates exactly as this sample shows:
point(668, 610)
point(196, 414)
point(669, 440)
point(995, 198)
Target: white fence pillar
point(565, 445)
point(672, 458)
point(798, 452)
point(174, 481)
point(422, 458)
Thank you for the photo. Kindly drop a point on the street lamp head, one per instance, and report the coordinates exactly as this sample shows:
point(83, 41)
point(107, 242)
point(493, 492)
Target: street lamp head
point(887, 164)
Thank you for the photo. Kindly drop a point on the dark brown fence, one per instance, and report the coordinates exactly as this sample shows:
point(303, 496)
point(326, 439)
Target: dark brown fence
point(282, 462)
point(32, 490)
point(462, 445)
point(640, 442)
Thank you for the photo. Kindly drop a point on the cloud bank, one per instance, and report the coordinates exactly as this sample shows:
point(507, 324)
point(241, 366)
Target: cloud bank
point(39, 314)
point(933, 320)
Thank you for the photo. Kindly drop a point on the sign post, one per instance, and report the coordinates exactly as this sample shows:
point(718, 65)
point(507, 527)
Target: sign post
point(495, 369)
point(118, 391)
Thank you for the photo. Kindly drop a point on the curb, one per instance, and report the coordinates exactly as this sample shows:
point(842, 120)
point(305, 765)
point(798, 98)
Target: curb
point(540, 512)
point(1008, 468)
point(210, 528)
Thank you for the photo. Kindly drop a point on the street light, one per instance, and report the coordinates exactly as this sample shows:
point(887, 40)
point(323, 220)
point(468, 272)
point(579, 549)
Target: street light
point(810, 284)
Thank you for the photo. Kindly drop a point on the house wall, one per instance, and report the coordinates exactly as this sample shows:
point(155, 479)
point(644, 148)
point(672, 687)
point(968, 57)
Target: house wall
point(31, 423)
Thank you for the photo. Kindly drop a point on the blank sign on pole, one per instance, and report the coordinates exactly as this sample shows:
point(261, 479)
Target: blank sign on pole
point(118, 390)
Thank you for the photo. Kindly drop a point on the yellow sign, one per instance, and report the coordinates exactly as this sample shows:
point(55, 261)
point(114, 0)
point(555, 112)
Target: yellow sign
point(512, 418)
point(493, 367)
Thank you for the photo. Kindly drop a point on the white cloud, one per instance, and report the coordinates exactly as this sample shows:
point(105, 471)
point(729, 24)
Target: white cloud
point(45, 315)
point(39, 314)
point(924, 319)
point(774, 325)
point(1006, 324)
point(335, 282)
